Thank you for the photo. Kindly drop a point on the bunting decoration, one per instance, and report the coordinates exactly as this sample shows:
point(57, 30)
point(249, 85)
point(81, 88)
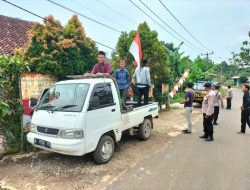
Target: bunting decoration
point(179, 83)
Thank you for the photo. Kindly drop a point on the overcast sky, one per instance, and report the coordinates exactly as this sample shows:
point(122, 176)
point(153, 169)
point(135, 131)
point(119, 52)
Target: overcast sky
point(221, 25)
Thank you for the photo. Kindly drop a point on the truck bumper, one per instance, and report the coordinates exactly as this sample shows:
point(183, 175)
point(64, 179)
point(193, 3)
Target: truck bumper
point(75, 147)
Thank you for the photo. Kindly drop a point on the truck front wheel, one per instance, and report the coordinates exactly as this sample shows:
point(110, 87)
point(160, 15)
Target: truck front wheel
point(105, 150)
point(145, 129)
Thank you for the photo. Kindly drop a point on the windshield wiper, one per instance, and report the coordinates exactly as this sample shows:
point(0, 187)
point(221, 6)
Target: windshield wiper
point(63, 107)
point(43, 107)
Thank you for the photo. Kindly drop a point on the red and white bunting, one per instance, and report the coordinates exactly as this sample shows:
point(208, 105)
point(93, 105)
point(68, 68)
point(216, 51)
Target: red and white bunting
point(179, 83)
point(135, 49)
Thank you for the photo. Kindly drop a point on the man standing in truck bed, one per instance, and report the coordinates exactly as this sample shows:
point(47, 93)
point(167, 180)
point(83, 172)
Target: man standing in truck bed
point(123, 81)
point(102, 66)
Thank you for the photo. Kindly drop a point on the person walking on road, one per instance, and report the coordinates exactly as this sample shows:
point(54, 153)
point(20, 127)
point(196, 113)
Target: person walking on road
point(208, 111)
point(188, 106)
point(229, 97)
point(245, 109)
point(123, 81)
point(218, 102)
point(102, 66)
point(142, 81)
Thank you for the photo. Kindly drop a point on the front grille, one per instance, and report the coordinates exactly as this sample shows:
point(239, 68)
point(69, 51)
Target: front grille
point(47, 130)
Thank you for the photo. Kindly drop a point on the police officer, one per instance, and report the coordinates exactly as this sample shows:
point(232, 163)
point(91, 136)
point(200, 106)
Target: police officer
point(218, 103)
point(229, 98)
point(208, 111)
point(245, 109)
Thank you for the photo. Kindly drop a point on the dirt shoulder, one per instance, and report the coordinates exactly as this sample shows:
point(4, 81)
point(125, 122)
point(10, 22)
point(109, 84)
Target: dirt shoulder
point(44, 170)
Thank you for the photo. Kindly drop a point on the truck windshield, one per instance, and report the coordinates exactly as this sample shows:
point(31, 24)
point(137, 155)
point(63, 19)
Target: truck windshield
point(199, 86)
point(64, 97)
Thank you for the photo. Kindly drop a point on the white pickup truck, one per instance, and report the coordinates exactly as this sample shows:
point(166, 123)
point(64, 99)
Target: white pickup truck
point(79, 116)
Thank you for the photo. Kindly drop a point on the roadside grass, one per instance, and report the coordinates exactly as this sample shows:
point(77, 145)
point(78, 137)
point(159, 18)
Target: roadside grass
point(177, 98)
point(223, 92)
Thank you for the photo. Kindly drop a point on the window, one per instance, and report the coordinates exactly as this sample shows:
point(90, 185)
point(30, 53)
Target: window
point(102, 96)
point(64, 97)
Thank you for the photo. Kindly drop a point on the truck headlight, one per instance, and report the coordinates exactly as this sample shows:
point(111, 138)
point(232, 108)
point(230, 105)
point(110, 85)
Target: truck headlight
point(32, 127)
point(72, 133)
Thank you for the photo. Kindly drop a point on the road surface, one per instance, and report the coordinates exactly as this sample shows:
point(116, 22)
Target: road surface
point(190, 163)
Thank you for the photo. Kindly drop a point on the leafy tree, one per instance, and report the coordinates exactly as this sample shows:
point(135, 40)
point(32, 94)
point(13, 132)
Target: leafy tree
point(153, 51)
point(10, 104)
point(58, 50)
point(243, 79)
point(176, 61)
point(243, 57)
point(200, 70)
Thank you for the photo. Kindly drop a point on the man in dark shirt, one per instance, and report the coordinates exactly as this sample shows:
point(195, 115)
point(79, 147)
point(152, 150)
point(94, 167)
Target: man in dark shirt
point(245, 109)
point(188, 105)
point(102, 66)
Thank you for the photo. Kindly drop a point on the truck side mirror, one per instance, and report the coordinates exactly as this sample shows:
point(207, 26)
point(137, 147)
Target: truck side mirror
point(33, 102)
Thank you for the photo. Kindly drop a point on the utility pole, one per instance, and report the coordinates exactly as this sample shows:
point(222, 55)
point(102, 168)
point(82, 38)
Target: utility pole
point(206, 54)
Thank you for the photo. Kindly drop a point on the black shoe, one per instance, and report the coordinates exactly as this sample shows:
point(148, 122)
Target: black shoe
point(215, 124)
point(209, 138)
point(185, 131)
point(240, 132)
point(203, 136)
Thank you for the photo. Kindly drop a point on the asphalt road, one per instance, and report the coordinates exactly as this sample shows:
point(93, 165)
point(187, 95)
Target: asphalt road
point(190, 163)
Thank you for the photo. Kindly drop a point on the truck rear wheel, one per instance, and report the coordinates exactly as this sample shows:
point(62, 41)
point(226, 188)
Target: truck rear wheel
point(105, 150)
point(145, 129)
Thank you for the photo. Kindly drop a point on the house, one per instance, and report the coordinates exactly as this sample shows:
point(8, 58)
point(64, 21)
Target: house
point(13, 34)
point(236, 80)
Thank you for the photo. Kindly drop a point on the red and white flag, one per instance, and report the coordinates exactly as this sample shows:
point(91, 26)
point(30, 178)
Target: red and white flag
point(179, 83)
point(135, 49)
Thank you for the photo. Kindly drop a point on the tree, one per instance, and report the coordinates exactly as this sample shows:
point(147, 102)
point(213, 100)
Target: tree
point(10, 104)
point(58, 50)
point(201, 71)
point(176, 61)
point(152, 50)
point(243, 57)
point(243, 79)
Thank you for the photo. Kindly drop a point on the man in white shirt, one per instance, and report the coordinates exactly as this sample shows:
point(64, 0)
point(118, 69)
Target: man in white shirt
point(142, 81)
point(229, 97)
point(208, 111)
point(217, 104)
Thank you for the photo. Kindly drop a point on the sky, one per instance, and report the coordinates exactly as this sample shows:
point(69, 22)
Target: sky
point(220, 25)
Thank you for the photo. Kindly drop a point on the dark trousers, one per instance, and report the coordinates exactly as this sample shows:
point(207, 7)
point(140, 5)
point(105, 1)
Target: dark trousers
point(244, 120)
point(208, 126)
point(143, 92)
point(216, 113)
point(229, 103)
point(124, 94)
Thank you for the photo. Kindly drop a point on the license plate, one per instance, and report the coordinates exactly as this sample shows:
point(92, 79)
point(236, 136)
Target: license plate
point(199, 95)
point(198, 99)
point(43, 143)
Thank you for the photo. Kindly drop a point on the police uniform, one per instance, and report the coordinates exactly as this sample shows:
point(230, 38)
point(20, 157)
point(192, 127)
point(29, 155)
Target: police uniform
point(208, 111)
point(218, 102)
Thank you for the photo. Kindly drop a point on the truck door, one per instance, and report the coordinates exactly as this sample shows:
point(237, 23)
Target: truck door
point(103, 115)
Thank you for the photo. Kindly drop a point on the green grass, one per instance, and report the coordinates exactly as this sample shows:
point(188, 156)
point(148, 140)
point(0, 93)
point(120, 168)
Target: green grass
point(223, 92)
point(177, 97)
